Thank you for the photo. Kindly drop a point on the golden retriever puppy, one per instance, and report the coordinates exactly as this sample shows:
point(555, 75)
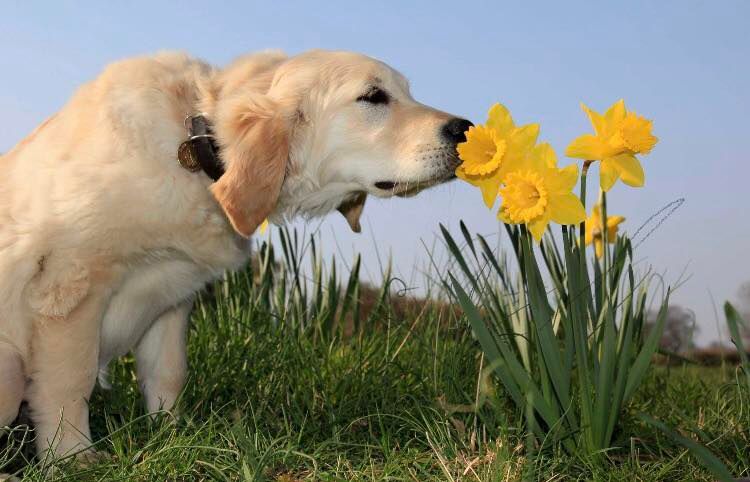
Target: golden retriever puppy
point(105, 236)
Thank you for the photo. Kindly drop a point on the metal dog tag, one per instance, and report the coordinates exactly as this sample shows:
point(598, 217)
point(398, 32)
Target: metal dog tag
point(187, 157)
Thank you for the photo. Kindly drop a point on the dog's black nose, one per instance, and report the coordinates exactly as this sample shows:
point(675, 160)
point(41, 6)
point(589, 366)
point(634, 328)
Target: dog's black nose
point(455, 130)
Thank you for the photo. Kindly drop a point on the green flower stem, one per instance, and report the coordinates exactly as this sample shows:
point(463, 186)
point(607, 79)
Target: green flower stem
point(605, 241)
point(582, 233)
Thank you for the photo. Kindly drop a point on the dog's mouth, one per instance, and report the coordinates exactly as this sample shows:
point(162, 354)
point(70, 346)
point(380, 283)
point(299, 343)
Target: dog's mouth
point(411, 188)
point(444, 172)
point(386, 185)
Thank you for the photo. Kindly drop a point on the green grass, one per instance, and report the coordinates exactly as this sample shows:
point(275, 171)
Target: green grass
point(405, 397)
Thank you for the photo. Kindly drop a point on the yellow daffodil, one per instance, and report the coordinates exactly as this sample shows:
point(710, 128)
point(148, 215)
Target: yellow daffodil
point(538, 192)
point(492, 150)
point(594, 229)
point(619, 135)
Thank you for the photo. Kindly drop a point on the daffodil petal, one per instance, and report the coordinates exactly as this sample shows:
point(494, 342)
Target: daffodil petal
point(596, 216)
point(614, 221)
point(587, 147)
point(534, 160)
point(499, 119)
point(597, 121)
point(566, 209)
point(608, 175)
point(502, 215)
point(547, 154)
point(490, 186)
point(538, 226)
point(524, 137)
point(630, 169)
point(612, 234)
point(615, 113)
point(461, 174)
point(589, 234)
point(598, 247)
point(513, 161)
point(540, 158)
point(564, 180)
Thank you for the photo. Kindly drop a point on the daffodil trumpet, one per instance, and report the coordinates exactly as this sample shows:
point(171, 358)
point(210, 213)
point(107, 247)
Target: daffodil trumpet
point(492, 150)
point(539, 192)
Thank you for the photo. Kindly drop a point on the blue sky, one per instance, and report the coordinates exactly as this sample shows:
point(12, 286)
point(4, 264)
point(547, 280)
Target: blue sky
point(683, 64)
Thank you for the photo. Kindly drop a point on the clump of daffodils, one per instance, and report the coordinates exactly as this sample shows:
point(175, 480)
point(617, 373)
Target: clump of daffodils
point(570, 353)
point(504, 161)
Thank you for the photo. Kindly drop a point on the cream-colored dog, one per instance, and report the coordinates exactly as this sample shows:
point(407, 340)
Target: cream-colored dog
point(105, 237)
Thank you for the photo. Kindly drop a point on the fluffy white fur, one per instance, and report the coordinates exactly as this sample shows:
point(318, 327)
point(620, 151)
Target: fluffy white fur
point(104, 238)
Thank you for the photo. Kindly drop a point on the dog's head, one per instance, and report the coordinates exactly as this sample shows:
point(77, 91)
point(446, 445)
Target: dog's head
point(320, 131)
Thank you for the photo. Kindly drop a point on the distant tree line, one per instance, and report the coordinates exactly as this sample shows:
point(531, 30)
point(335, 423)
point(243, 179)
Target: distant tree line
point(680, 329)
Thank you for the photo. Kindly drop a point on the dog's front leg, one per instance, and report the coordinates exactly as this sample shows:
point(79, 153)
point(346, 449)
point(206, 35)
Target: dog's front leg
point(161, 358)
point(63, 364)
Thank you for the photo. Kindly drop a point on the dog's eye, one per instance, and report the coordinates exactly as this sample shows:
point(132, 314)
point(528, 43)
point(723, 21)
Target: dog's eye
point(374, 96)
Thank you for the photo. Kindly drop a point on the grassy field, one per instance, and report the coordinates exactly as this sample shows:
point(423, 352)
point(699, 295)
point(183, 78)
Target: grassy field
point(401, 395)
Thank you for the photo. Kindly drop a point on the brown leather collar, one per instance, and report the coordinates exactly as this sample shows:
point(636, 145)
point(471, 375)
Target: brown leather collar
point(199, 151)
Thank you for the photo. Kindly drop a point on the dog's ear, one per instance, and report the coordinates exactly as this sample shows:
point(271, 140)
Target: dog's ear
point(255, 150)
point(352, 210)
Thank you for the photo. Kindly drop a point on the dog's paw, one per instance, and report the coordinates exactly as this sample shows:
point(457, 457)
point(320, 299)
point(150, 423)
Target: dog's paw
point(91, 457)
